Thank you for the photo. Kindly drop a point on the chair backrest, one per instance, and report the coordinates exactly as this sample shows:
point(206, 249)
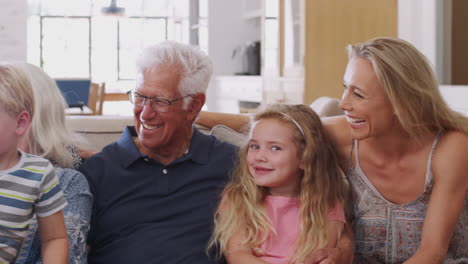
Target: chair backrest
point(96, 97)
point(75, 91)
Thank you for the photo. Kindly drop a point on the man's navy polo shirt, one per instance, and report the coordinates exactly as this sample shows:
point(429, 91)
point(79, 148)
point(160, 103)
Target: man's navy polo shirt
point(147, 212)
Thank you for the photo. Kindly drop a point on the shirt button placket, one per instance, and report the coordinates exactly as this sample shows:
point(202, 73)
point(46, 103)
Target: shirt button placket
point(164, 181)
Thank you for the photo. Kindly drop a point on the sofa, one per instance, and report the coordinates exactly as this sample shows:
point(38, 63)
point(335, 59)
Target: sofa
point(99, 131)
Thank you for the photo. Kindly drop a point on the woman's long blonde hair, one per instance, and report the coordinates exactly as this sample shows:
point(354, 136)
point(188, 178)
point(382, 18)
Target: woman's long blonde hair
point(411, 86)
point(322, 186)
point(38, 94)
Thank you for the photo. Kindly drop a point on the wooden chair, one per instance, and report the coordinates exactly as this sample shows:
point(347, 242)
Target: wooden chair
point(96, 97)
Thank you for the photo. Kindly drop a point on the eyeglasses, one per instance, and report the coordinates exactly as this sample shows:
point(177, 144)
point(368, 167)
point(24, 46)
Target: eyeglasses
point(158, 104)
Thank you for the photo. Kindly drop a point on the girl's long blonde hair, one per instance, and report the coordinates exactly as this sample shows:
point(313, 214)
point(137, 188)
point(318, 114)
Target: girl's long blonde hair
point(322, 186)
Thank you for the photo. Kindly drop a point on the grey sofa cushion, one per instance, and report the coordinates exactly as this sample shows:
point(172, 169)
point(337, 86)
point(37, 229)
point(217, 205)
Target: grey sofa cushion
point(224, 133)
point(99, 131)
point(326, 106)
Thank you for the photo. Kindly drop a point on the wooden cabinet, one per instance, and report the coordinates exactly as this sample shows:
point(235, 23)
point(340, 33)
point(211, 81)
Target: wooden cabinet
point(330, 25)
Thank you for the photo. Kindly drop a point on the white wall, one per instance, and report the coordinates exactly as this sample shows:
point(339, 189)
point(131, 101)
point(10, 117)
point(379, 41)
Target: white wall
point(455, 96)
point(13, 30)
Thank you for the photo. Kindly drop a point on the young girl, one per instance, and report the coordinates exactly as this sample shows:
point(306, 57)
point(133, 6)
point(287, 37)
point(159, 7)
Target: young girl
point(285, 199)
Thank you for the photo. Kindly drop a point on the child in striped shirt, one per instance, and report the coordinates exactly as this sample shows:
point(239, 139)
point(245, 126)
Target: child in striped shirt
point(28, 185)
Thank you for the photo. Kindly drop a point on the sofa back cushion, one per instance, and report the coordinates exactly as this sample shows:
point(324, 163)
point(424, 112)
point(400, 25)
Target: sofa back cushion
point(98, 131)
point(101, 130)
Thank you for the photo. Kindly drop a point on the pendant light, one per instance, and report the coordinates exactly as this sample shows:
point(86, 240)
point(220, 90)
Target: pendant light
point(113, 9)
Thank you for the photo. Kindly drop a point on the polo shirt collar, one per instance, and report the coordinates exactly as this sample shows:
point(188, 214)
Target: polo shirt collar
point(199, 150)
point(126, 143)
point(200, 147)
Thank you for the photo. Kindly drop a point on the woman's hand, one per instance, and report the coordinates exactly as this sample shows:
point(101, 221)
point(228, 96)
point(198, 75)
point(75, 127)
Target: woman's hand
point(343, 253)
point(325, 256)
point(86, 153)
point(238, 253)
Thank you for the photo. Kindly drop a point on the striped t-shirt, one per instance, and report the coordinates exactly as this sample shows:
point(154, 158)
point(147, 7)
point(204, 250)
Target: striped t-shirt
point(30, 187)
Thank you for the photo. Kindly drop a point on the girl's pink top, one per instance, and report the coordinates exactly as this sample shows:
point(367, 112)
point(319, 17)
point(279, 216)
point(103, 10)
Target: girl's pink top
point(284, 215)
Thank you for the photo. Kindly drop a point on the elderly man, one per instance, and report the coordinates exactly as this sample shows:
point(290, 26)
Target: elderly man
point(157, 187)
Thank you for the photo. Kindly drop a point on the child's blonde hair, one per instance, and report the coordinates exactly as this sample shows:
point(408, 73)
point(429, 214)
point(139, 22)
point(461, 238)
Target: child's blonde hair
point(322, 186)
point(24, 86)
point(15, 91)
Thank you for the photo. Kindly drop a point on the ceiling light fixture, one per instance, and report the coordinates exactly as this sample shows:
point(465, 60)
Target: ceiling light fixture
point(113, 9)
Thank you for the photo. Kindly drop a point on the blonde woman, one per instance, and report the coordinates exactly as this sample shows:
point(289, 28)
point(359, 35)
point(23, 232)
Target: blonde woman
point(409, 157)
point(285, 197)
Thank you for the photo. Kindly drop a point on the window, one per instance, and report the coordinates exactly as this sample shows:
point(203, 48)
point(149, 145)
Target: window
point(65, 46)
point(133, 35)
point(72, 39)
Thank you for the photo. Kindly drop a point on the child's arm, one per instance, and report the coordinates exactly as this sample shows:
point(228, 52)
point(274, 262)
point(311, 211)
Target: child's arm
point(54, 241)
point(236, 253)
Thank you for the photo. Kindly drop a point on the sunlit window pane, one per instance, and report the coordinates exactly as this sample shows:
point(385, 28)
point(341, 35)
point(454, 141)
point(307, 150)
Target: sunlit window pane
point(79, 42)
point(271, 8)
point(132, 7)
point(180, 8)
point(34, 34)
point(134, 35)
point(65, 47)
point(271, 43)
point(156, 8)
point(203, 8)
point(203, 34)
point(104, 48)
point(178, 30)
point(66, 7)
point(203, 25)
point(34, 7)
